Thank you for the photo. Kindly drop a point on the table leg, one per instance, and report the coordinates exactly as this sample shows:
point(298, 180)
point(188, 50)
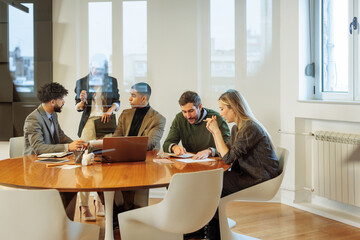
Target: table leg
point(109, 201)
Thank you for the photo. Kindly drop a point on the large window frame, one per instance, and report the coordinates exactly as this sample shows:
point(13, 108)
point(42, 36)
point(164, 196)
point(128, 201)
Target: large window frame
point(244, 68)
point(353, 93)
point(17, 105)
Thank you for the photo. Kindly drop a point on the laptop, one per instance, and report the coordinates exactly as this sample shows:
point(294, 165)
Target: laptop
point(124, 149)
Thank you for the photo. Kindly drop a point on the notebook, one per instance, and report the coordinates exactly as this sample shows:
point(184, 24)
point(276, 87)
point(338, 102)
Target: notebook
point(54, 155)
point(124, 149)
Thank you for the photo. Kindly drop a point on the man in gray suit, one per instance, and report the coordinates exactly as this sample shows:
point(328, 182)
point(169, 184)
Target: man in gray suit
point(43, 134)
point(42, 131)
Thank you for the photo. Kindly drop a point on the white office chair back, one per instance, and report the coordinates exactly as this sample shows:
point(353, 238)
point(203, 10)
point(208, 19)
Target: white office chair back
point(190, 203)
point(282, 155)
point(264, 191)
point(39, 215)
point(191, 200)
point(16, 147)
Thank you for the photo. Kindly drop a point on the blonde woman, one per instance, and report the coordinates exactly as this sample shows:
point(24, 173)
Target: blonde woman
point(249, 151)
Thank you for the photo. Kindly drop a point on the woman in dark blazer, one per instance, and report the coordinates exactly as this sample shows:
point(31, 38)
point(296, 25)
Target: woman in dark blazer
point(249, 151)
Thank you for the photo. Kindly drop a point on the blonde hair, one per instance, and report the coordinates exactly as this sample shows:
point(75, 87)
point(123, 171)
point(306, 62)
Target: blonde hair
point(235, 101)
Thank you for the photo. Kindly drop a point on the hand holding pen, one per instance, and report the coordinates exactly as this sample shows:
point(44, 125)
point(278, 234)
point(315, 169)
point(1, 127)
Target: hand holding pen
point(77, 145)
point(178, 150)
point(212, 124)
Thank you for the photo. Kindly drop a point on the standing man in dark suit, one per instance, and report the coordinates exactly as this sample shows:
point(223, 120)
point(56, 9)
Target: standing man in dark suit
point(43, 133)
point(97, 97)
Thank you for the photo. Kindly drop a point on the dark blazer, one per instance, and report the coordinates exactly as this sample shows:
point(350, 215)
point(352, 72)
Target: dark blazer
point(152, 126)
point(251, 155)
point(111, 89)
point(37, 134)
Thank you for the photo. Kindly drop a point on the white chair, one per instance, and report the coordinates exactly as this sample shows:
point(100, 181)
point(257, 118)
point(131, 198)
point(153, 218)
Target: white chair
point(264, 191)
point(16, 147)
point(189, 204)
point(39, 215)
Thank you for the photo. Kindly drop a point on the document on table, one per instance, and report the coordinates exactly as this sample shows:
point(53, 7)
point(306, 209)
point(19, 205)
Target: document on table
point(190, 160)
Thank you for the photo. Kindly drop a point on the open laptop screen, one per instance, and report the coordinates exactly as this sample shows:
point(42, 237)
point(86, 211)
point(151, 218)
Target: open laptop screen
point(124, 149)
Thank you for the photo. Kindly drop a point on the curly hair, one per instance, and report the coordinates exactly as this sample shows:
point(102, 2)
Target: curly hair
point(51, 91)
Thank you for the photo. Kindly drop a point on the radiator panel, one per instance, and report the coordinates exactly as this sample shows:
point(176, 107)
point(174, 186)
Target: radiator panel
point(334, 176)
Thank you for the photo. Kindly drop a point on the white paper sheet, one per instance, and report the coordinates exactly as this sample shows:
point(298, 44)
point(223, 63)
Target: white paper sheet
point(190, 160)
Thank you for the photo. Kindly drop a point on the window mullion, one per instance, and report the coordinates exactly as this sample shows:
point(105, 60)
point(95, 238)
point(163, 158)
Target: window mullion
point(355, 71)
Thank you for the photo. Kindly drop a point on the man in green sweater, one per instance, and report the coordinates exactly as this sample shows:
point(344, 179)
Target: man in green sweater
point(189, 128)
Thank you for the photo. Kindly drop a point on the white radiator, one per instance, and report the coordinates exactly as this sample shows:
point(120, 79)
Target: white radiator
point(335, 176)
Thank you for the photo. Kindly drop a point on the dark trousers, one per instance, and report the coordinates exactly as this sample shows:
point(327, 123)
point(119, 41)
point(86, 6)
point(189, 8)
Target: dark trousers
point(234, 181)
point(69, 202)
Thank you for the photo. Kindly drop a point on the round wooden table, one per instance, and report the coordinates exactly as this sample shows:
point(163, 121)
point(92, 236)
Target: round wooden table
point(25, 172)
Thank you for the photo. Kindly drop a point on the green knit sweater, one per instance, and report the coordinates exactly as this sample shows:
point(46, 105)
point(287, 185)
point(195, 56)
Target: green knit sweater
point(194, 137)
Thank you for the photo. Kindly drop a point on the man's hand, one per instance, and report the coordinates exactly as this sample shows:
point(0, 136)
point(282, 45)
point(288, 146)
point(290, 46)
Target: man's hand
point(202, 154)
point(83, 96)
point(76, 145)
point(178, 150)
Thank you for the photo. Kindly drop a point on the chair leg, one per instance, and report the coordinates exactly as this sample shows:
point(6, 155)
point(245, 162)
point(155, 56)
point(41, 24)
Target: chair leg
point(231, 223)
point(225, 231)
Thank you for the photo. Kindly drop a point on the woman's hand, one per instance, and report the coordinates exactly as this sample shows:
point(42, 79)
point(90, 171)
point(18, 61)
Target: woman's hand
point(212, 124)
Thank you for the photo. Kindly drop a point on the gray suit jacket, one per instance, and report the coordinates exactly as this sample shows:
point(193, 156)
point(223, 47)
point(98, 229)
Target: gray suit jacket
point(37, 134)
point(152, 126)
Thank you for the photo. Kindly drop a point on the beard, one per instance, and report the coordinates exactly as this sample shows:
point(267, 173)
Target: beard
point(58, 108)
point(192, 120)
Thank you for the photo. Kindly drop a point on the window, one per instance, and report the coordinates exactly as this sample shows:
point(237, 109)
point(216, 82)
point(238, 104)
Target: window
point(21, 48)
point(222, 13)
point(259, 33)
point(100, 30)
point(26, 54)
point(134, 42)
point(237, 43)
point(335, 43)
